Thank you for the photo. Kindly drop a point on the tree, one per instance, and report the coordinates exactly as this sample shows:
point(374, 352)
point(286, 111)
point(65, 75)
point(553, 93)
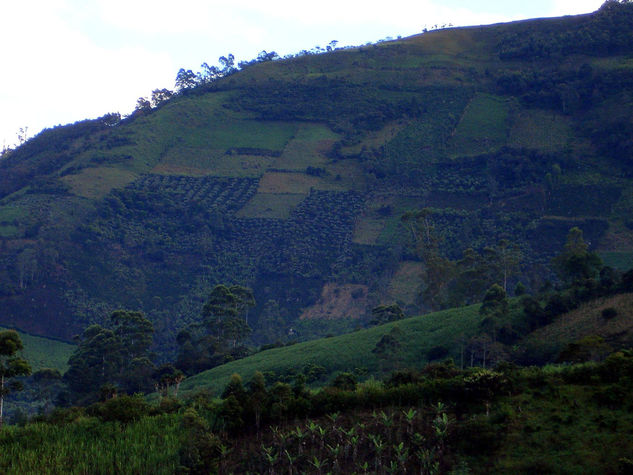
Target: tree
point(167, 377)
point(438, 271)
point(11, 365)
point(185, 79)
point(228, 64)
point(576, 263)
point(386, 313)
point(118, 356)
point(493, 310)
point(96, 361)
point(220, 335)
point(222, 313)
point(160, 95)
point(388, 347)
point(46, 380)
point(508, 260)
point(134, 332)
point(143, 104)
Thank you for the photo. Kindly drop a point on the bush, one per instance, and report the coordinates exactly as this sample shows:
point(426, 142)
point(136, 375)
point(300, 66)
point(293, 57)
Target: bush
point(437, 353)
point(345, 381)
point(609, 313)
point(124, 409)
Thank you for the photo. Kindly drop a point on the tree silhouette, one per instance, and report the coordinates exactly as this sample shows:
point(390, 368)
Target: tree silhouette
point(10, 365)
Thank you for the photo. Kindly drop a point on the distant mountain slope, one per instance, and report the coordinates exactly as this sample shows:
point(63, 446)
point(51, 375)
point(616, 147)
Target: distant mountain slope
point(291, 175)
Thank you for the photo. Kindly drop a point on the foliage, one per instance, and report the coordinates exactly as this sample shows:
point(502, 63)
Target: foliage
point(11, 365)
point(152, 211)
point(107, 357)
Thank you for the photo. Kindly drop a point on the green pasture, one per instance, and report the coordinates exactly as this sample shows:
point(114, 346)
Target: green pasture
point(271, 205)
point(483, 126)
point(43, 352)
point(417, 336)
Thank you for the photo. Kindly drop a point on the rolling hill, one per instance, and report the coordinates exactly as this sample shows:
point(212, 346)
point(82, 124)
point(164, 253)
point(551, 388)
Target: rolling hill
point(291, 177)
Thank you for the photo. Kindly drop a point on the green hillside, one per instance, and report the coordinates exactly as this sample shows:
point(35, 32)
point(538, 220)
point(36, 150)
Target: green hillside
point(291, 177)
point(45, 352)
point(352, 352)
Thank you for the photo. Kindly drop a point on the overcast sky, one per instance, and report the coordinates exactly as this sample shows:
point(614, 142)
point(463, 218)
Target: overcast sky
point(68, 60)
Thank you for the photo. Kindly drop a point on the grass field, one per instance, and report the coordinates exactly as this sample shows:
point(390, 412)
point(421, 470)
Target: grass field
point(271, 205)
point(367, 230)
point(405, 286)
point(483, 126)
point(584, 321)
point(274, 182)
point(44, 352)
point(97, 182)
point(352, 351)
point(621, 260)
point(211, 162)
point(307, 148)
point(544, 130)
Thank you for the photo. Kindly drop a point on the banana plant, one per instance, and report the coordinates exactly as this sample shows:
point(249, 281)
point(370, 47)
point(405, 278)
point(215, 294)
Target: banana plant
point(363, 467)
point(300, 436)
point(410, 418)
point(291, 462)
point(318, 464)
point(271, 458)
point(402, 455)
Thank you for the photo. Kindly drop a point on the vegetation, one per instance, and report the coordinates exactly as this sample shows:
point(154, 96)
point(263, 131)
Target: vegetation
point(478, 178)
point(288, 174)
point(440, 419)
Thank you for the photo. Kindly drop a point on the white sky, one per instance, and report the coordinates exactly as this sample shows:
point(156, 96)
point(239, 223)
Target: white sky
point(68, 60)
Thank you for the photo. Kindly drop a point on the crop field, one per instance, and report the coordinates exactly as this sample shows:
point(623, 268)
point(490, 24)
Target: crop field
point(539, 129)
point(375, 139)
point(307, 148)
point(202, 162)
point(368, 230)
point(271, 205)
point(294, 183)
point(483, 126)
point(339, 301)
point(223, 194)
point(98, 182)
point(578, 200)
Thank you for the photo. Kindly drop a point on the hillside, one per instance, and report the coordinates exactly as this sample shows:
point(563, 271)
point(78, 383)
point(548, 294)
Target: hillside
point(292, 176)
point(45, 352)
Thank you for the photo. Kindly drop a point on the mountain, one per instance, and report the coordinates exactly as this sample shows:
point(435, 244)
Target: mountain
point(293, 176)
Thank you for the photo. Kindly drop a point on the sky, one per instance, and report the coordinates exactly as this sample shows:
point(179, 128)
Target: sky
point(69, 60)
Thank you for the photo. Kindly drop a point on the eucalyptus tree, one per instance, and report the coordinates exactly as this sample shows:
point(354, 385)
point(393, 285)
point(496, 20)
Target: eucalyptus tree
point(11, 365)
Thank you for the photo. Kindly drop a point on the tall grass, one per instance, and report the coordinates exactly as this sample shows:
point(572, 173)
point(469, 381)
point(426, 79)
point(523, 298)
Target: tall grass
point(88, 446)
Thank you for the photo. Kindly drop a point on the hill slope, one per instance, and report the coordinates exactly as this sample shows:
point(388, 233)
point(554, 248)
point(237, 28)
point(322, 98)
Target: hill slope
point(292, 175)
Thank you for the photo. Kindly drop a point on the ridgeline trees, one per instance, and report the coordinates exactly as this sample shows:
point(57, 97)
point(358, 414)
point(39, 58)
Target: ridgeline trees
point(11, 365)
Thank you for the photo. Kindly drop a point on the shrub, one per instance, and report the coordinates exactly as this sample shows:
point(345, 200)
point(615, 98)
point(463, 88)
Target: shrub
point(437, 353)
point(609, 313)
point(124, 409)
point(344, 381)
